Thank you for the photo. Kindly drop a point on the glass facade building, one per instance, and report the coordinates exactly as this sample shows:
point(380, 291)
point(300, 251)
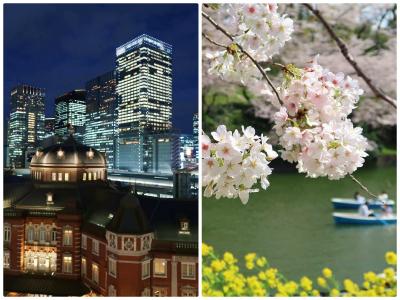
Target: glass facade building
point(49, 127)
point(101, 116)
point(144, 93)
point(26, 124)
point(196, 135)
point(71, 110)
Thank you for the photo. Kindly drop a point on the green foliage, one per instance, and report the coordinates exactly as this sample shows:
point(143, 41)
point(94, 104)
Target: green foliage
point(232, 109)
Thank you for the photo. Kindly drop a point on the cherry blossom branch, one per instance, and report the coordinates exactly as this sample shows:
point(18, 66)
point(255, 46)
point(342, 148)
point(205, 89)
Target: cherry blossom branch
point(345, 51)
point(282, 66)
point(256, 63)
point(362, 186)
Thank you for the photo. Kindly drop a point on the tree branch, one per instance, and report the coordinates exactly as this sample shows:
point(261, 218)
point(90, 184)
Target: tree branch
point(345, 51)
point(362, 186)
point(257, 64)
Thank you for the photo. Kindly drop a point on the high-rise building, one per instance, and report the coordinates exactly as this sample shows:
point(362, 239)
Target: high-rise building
point(101, 116)
point(187, 154)
point(71, 110)
point(26, 125)
point(144, 93)
point(196, 135)
point(49, 127)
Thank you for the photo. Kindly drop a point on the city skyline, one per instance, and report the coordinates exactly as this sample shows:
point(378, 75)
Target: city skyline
point(101, 58)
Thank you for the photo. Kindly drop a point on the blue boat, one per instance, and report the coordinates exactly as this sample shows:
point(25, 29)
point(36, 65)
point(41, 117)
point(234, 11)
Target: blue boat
point(344, 203)
point(355, 218)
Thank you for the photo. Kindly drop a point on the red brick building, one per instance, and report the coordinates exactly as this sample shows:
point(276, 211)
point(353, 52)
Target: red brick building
point(69, 231)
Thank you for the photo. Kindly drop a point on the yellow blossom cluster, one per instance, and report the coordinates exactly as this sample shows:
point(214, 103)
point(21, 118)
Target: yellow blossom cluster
point(222, 277)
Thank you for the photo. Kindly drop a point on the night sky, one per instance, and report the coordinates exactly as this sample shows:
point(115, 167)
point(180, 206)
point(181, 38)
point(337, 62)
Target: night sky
point(61, 46)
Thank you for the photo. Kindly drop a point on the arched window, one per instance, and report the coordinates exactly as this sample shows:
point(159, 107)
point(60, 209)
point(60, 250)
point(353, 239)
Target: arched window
point(67, 236)
point(90, 176)
point(84, 177)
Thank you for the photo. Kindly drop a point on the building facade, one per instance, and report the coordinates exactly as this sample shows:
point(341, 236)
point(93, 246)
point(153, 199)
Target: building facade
point(49, 123)
point(144, 93)
point(69, 232)
point(26, 124)
point(101, 116)
point(187, 151)
point(196, 135)
point(70, 111)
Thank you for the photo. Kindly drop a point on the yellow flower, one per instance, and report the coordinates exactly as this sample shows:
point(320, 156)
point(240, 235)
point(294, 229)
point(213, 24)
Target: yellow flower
point(206, 250)
point(217, 265)
point(315, 293)
point(350, 286)
point(291, 287)
point(391, 258)
point(229, 258)
point(306, 283)
point(262, 276)
point(303, 294)
point(367, 285)
point(321, 282)
point(327, 272)
point(261, 262)
point(370, 277)
point(334, 293)
point(250, 257)
point(271, 273)
point(229, 275)
point(389, 273)
point(207, 272)
point(250, 265)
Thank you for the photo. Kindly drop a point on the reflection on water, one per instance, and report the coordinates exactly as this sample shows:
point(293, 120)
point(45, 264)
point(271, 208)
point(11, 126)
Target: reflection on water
point(293, 227)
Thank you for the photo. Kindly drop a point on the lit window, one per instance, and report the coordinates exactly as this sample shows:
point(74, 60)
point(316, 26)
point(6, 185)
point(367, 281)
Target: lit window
point(84, 177)
point(7, 232)
point(83, 267)
point(42, 234)
point(6, 260)
point(54, 176)
point(30, 234)
point(94, 176)
point(60, 176)
point(67, 236)
point(54, 236)
point(95, 273)
point(112, 291)
point(145, 269)
point(66, 176)
point(95, 247)
point(188, 270)
point(112, 267)
point(84, 241)
point(90, 176)
point(67, 263)
point(160, 267)
point(188, 292)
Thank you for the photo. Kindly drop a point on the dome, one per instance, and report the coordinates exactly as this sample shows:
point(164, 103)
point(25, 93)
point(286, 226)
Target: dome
point(68, 162)
point(68, 154)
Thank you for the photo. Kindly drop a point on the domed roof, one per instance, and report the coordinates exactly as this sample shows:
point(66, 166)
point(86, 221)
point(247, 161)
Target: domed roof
point(70, 153)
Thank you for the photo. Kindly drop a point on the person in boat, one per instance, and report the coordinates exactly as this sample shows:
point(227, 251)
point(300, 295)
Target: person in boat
point(360, 199)
point(387, 210)
point(364, 210)
point(383, 197)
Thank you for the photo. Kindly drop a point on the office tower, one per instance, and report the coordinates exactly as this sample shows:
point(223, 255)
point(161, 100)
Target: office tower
point(101, 115)
point(187, 155)
point(196, 135)
point(26, 125)
point(144, 92)
point(49, 127)
point(71, 110)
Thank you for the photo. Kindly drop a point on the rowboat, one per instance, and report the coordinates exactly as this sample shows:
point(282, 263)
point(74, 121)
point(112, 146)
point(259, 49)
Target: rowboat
point(344, 203)
point(354, 218)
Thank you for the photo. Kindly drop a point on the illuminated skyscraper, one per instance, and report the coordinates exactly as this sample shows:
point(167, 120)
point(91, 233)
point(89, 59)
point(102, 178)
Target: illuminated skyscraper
point(49, 127)
point(101, 115)
point(26, 126)
point(196, 134)
point(71, 110)
point(144, 92)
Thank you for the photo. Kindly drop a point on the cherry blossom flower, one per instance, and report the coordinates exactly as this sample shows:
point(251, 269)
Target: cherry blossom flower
point(235, 162)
